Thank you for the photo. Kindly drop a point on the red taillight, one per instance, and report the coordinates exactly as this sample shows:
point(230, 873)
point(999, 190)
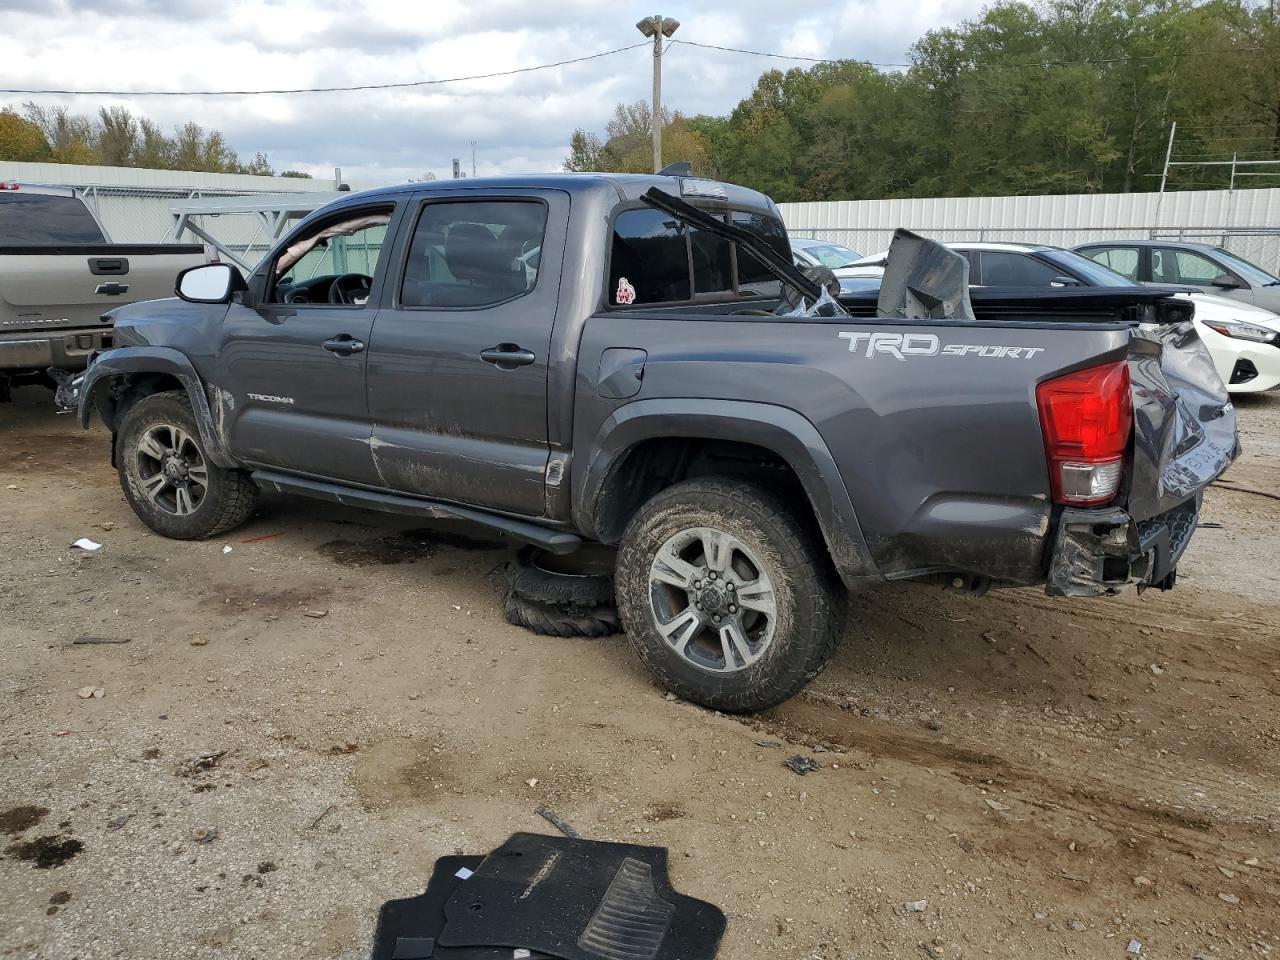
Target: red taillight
point(1086, 418)
point(8, 186)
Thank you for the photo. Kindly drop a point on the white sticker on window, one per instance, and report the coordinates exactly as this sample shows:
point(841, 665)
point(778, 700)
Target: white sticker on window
point(626, 292)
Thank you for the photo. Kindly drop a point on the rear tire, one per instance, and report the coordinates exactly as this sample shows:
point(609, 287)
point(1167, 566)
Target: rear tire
point(166, 474)
point(727, 596)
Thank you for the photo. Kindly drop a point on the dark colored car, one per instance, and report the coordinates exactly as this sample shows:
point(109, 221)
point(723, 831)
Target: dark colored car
point(634, 360)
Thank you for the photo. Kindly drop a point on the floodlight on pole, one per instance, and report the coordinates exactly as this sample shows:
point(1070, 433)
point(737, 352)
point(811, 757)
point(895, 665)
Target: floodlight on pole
point(657, 27)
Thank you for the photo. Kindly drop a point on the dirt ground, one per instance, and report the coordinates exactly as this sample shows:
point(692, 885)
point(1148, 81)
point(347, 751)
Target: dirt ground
point(296, 729)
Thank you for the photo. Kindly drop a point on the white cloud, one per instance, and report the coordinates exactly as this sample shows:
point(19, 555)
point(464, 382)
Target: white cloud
point(521, 123)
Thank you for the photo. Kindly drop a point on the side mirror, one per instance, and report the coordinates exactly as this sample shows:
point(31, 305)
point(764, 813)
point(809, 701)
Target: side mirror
point(209, 283)
point(1064, 282)
point(1226, 282)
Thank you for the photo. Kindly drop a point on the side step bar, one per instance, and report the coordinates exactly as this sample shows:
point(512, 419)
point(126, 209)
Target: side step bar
point(553, 541)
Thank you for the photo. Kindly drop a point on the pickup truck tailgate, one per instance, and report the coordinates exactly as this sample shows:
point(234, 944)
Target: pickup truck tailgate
point(56, 287)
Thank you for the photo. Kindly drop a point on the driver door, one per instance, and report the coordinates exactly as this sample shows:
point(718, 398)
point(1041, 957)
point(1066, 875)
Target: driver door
point(295, 351)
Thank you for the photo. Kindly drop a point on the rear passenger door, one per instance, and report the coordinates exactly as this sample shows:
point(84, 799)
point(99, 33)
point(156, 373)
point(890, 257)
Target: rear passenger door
point(458, 357)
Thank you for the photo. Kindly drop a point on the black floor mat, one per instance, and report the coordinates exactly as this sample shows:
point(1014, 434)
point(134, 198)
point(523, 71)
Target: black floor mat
point(580, 900)
point(409, 929)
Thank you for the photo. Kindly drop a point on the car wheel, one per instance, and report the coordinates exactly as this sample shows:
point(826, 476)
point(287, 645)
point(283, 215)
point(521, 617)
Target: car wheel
point(726, 595)
point(166, 474)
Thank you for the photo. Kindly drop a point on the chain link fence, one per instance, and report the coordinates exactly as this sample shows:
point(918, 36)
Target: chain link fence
point(1260, 245)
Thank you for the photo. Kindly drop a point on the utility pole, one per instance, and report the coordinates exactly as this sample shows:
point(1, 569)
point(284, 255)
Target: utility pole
point(473, 159)
point(657, 27)
point(1164, 177)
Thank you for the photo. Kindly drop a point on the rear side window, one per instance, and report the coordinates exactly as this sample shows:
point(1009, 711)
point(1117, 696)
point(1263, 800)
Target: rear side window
point(1123, 260)
point(474, 253)
point(657, 259)
point(39, 219)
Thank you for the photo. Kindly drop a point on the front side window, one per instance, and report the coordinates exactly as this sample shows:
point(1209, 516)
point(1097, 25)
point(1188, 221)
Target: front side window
point(1000, 269)
point(1182, 266)
point(1123, 260)
point(334, 262)
point(1250, 271)
point(474, 253)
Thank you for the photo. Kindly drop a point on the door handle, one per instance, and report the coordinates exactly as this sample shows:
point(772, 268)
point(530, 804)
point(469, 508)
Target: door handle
point(344, 345)
point(507, 356)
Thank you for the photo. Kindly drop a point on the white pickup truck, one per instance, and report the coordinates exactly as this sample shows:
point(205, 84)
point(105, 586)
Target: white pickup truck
point(59, 274)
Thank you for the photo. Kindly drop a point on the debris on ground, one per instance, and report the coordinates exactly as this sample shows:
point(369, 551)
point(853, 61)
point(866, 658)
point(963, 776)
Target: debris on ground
point(200, 764)
point(513, 896)
point(801, 765)
point(1230, 898)
point(115, 823)
point(84, 543)
point(916, 906)
point(316, 614)
point(996, 805)
point(96, 640)
point(198, 641)
point(91, 693)
point(323, 813)
point(1134, 948)
point(204, 834)
point(553, 818)
point(263, 536)
point(771, 744)
point(226, 549)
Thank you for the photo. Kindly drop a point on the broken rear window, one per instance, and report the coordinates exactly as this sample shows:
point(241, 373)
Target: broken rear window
point(657, 259)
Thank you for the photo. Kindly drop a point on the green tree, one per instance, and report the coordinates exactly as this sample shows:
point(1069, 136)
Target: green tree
point(20, 139)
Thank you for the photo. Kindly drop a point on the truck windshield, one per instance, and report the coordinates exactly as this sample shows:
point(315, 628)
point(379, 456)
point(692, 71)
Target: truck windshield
point(41, 219)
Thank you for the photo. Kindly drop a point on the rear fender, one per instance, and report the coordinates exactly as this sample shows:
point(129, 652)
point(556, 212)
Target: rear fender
point(115, 368)
point(783, 432)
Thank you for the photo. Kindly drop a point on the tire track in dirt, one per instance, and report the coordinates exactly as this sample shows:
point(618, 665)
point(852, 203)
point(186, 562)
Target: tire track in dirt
point(1204, 835)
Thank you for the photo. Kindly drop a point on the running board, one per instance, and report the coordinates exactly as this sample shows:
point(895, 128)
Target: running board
point(553, 541)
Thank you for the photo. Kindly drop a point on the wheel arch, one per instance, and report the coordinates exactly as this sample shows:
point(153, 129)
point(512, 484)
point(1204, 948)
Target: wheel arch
point(649, 444)
point(121, 377)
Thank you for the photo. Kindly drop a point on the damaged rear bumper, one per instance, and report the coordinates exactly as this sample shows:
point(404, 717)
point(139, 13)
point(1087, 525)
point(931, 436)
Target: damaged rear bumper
point(1100, 552)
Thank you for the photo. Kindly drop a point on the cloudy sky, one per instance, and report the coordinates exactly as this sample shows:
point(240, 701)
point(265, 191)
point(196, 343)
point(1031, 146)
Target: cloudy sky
point(520, 123)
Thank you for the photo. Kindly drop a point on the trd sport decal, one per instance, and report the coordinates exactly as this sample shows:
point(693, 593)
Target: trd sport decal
point(900, 346)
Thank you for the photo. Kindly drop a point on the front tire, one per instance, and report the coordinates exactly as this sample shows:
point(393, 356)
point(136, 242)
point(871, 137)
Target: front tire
point(728, 597)
point(166, 474)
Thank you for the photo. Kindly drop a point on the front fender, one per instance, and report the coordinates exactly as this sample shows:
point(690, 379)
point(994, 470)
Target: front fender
point(95, 390)
point(783, 432)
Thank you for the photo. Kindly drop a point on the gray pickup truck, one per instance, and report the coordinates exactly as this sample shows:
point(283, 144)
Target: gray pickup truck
point(634, 360)
point(58, 274)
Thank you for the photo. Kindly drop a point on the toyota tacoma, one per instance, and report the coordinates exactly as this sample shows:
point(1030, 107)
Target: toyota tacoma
point(635, 360)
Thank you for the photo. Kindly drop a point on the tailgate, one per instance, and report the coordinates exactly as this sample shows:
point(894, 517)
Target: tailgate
point(1184, 422)
point(60, 287)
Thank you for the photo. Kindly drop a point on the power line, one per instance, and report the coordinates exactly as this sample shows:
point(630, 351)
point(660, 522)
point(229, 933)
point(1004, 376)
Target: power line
point(784, 56)
point(1030, 63)
point(367, 86)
